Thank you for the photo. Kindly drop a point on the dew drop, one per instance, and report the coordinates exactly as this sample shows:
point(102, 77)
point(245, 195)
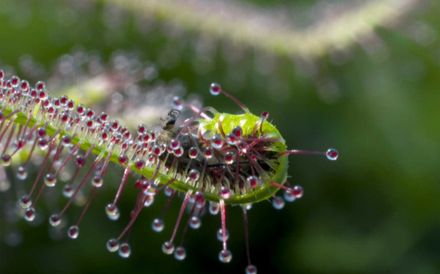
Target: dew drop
point(168, 248)
point(21, 173)
point(112, 212)
point(180, 253)
point(29, 214)
point(192, 153)
point(177, 103)
point(149, 200)
point(123, 159)
point(124, 250)
point(40, 86)
point(157, 225)
point(24, 85)
point(66, 141)
point(253, 181)
point(225, 256)
point(264, 115)
point(68, 191)
point(225, 193)
point(231, 139)
point(139, 164)
point(112, 245)
point(288, 195)
point(41, 132)
point(278, 202)
point(215, 89)
point(229, 158)
point(25, 202)
point(238, 132)
point(298, 191)
point(15, 81)
point(43, 143)
point(217, 142)
point(168, 191)
point(178, 152)
point(193, 175)
point(174, 144)
point(199, 200)
point(97, 181)
point(195, 222)
point(251, 269)
point(214, 208)
point(73, 232)
point(332, 154)
point(220, 235)
point(54, 220)
point(6, 160)
point(247, 206)
point(50, 180)
point(207, 153)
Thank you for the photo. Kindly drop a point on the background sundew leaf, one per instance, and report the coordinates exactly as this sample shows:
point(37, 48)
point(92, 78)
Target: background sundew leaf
point(278, 29)
point(373, 211)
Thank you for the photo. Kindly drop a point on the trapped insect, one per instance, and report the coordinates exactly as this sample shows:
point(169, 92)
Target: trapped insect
point(212, 159)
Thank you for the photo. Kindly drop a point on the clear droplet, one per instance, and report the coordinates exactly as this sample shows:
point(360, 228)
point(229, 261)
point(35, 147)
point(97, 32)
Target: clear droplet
point(149, 200)
point(50, 180)
point(193, 175)
point(178, 152)
point(332, 154)
point(68, 191)
point(177, 103)
point(199, 200)
point(73, 232)
point(229, 157)
point(180, 253)
point(124, 250)
point(97, 181)
point(288, 195)
point(232, 139)
point(6, 160)
point(40, 86)
point(54, 220)
point(29, 214)
point(278, 202)
point(220, 235)
point(214, 208)
point(168, 248)
point(112, 212)
point(225, 256)
point(215, 89)
point(193, 152)
point(25, 202)
point(195, 222)
point(225, 193)
point(43, 143)
point(207, 153)
point(157, 225)
point(168, 191)
point(112, 245)
point(251, 269)
point(253, 181)
point(21, 173)
point(217, 142)
point(298, 191)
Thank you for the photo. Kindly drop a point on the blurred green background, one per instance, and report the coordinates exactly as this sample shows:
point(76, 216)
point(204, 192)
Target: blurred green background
point(375, 210)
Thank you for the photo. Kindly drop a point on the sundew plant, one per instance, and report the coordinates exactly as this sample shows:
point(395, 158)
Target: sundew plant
point(166, 136)
point(211, 159)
